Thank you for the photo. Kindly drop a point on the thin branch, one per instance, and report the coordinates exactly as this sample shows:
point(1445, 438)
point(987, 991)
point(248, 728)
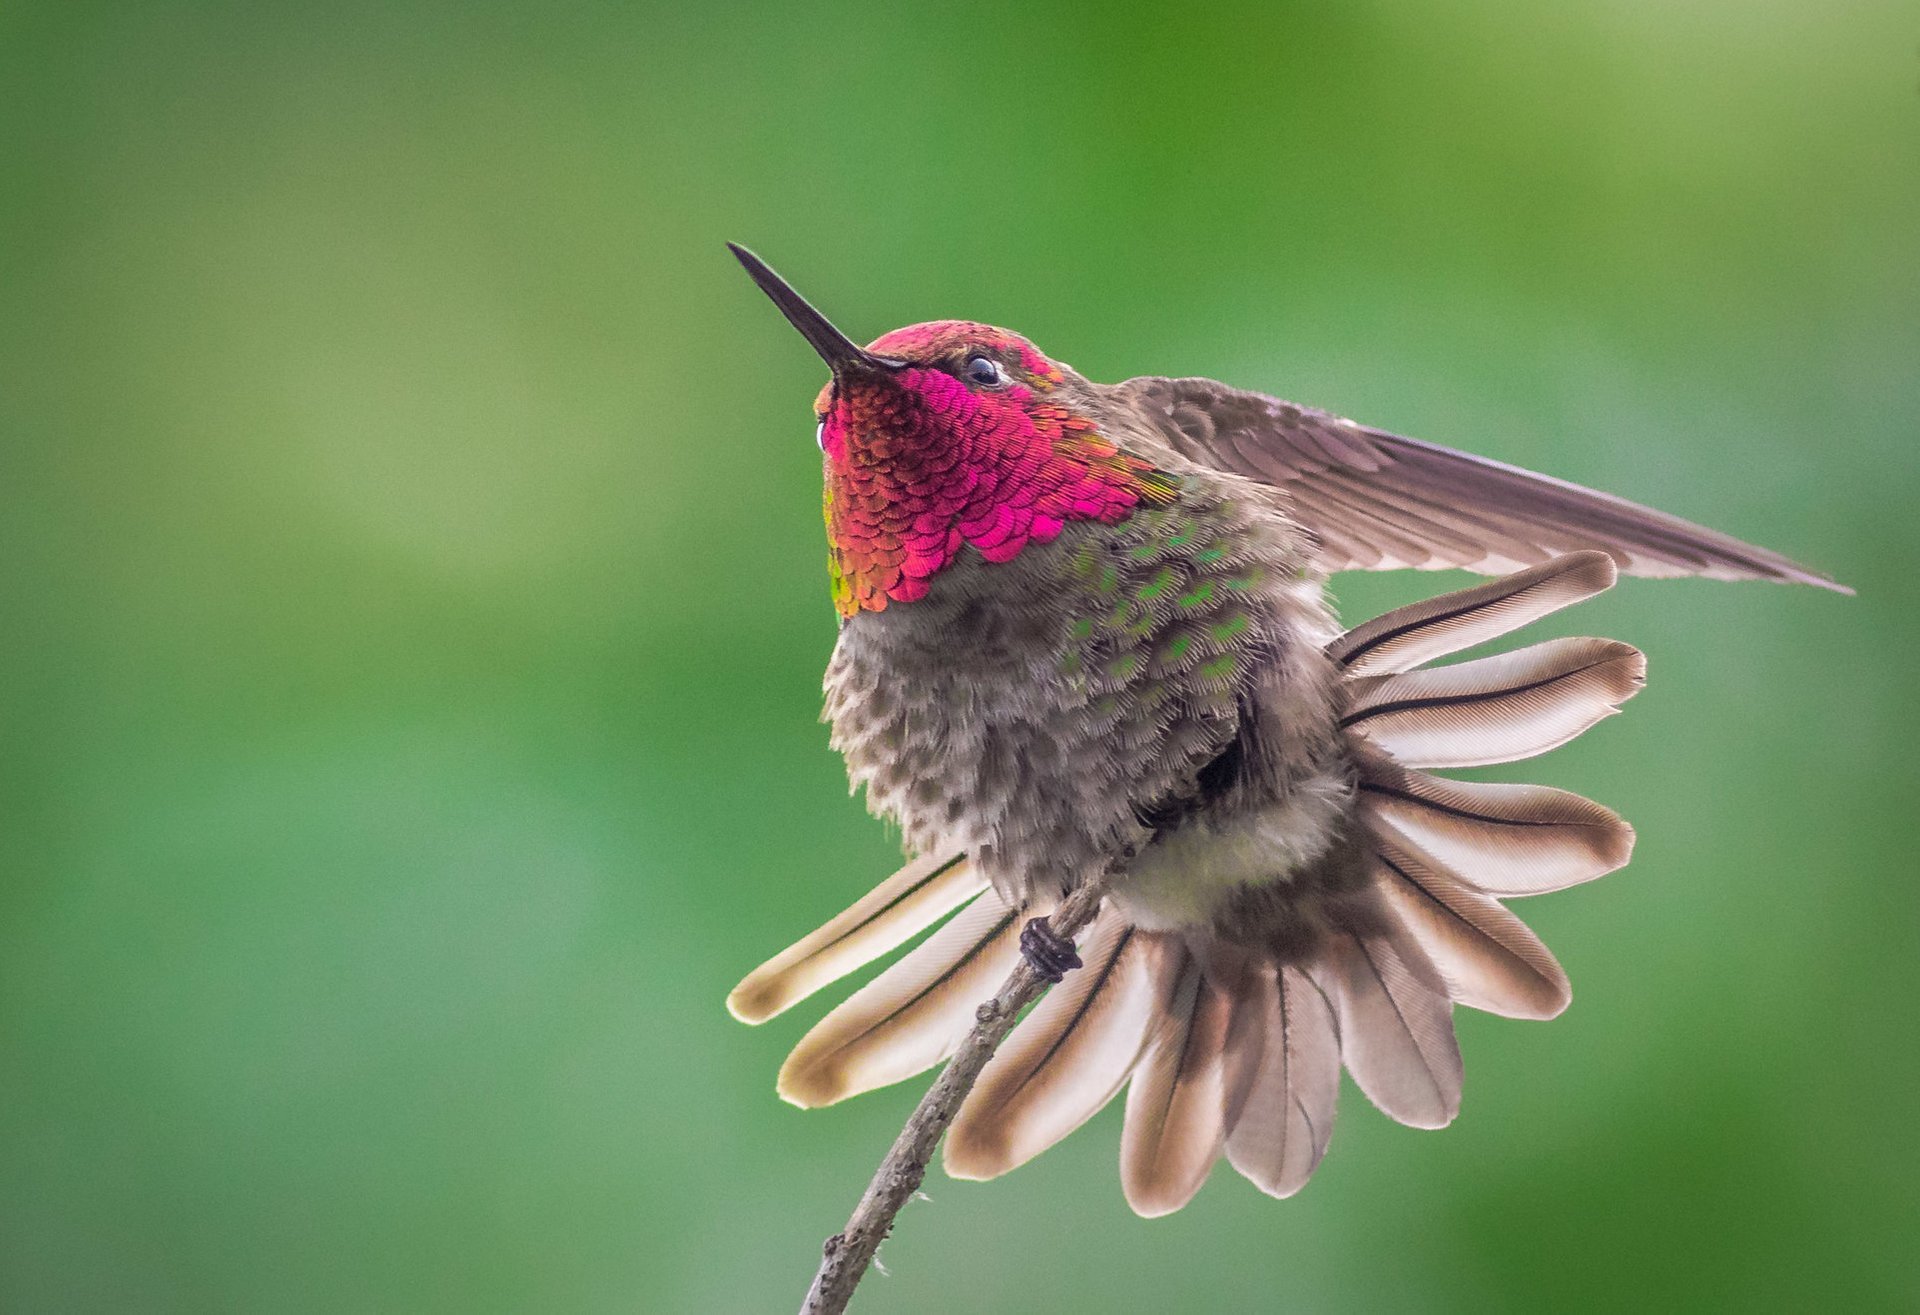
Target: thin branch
point(846, 1255)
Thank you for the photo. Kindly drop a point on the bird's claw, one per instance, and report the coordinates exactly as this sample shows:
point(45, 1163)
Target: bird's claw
point(1051, 954)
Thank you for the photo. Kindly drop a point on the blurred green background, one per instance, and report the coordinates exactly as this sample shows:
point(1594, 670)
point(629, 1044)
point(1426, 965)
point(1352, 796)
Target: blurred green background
point(414, 610)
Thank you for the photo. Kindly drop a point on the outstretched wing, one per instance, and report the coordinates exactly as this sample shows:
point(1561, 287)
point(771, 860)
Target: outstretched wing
point(1378, 501)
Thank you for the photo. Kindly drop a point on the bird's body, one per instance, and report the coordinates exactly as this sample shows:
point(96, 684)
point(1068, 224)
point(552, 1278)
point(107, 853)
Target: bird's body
point(1050, 714)
point(1085, 635)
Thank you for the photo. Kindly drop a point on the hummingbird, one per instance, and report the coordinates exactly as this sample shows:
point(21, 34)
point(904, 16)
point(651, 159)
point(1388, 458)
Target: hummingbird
point(1085, 634)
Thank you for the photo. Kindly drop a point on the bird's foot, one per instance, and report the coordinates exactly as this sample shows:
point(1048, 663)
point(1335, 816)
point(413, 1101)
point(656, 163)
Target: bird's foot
point(1051, 954)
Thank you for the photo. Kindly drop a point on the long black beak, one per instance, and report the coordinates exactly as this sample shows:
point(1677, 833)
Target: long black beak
point(840, 352)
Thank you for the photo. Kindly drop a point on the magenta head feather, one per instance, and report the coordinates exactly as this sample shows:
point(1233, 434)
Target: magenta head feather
point(945, 435)
point(960, 446)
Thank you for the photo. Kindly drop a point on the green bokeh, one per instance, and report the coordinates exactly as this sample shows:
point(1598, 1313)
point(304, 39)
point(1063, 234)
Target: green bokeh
point(413, 594)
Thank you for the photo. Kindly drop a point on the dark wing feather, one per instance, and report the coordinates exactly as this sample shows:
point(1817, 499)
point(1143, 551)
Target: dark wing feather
point(1377, 501)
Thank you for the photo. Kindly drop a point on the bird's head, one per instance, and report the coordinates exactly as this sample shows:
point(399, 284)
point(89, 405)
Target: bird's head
point(948, 435)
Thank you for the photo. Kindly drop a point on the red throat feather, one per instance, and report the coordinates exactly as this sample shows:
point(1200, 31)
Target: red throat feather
point(919, 464)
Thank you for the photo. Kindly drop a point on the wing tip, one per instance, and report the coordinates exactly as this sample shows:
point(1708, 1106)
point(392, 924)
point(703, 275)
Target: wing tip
point(1766, 566)
point(1781, 570)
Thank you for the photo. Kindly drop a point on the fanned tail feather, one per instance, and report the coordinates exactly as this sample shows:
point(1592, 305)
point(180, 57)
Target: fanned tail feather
point(1498, 709)
point(1488, 958)
point(1440, 851)
point(1065, 1060)
point(1283, 1131)
point(1513, 839)
point(911, 1016)
point(1227, 1048)
point(1192, 1083)
point(908, 902)
point(1420, 632)
point(1396, 1027)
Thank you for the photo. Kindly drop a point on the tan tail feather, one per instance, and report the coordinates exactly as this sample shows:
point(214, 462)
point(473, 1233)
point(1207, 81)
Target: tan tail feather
point(1396, 1027)
point(1506, 840)
point(1196, 1070)
point(899, 908)
point(1229, 1054)
point(911, 1016)
point(1408, 636)
point(1489, 959)
point(1065, 1060)
point(1282, 1133)
point(1497, 709)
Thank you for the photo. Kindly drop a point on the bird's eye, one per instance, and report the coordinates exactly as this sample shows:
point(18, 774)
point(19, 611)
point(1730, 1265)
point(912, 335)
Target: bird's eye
point(986, 371)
